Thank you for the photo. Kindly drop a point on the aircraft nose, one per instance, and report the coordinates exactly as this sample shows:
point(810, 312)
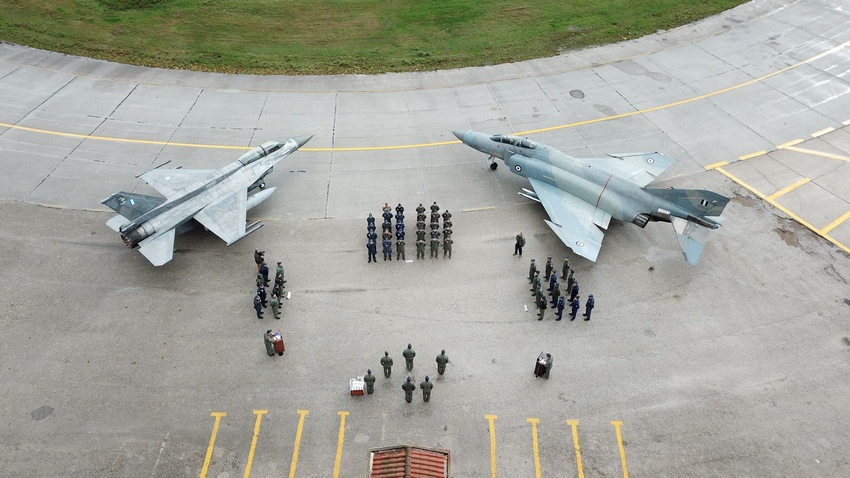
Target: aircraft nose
point(459, 134)
point(301, 140)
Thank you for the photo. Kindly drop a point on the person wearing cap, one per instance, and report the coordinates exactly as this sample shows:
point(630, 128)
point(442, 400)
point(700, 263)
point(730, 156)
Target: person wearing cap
point(556, 293)
point(399, 247)
point(408, 388)
point(519, 244)
point(434, 208)
point(575, 304)
point(574, 290)
point(268, 341)
point(370, 381)
point(426, 387)
point(387, 363)
point(566, 269)
point(420, 248)
point(399, 217)
point(562, 302)
point(278, 283)
point(571, 280)
point(588, 307)
point(259, 279)
point(258, 258)
point(548, 267)
point(370, 221)
point(420, 209)
point(264, 271)
point(442, 360)
point(279, 271)
point(435, 246)
point(399, 235)
point(387, 215)
point(387, 249)
point(552, 279)
point(258, 306)
point(535, 283)
point(399, 209)
point(447, 232)
point(275, 303)
point(532, 269)
point(446, 215)
point(372, 249)
point(447, 246)
point(541, 304)
point(408, 354)
point(261, 293)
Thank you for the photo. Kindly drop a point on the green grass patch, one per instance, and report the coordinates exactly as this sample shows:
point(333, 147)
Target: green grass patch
point(335, 36)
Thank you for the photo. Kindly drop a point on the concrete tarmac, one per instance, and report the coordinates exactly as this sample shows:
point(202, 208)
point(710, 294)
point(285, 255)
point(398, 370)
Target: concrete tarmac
point(736, 367)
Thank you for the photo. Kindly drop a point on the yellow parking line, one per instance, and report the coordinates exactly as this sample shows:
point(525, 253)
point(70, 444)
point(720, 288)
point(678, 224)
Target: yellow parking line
point(822, 132)
point(534, 445)
point(752, 155)
point(789, 188)
point(835, 223)
point(339, 441)
point(206, 466)
point(302, 413)
point(579, 466)
point(476, 209)
point(818, 153)
point(259, 414)
point(716, 165)
point(492, 419)
point(789, 144)
point(846, 122)
point(617, 424)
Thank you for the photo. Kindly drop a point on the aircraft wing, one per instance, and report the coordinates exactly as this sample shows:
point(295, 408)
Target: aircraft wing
point(169, 182)
point(578, 224)
point(639, 168)
point(225, 217)
point(159, 249)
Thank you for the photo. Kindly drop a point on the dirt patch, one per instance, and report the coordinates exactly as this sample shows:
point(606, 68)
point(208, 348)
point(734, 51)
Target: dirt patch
point(746, 201)
point(790, 237)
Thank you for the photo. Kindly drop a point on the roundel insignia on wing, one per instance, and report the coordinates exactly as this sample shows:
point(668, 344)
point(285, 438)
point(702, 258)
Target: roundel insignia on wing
point(518, 168)
point(168, 178)
point(650, 160)
point(580, 243)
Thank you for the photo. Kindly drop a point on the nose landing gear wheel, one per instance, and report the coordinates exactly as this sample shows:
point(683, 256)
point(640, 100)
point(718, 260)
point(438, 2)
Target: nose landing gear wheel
point(493, 166)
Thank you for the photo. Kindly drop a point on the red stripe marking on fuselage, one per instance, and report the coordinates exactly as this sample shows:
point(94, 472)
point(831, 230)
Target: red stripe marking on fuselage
point(603, 190)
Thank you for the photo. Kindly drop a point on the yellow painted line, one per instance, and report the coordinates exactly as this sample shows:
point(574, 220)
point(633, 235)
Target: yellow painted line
point(784, 209)
point(534, 445)
point(474, 209)
point(302, 413)
point(206, 466)
point(789, 144)
point(716, 165)
point(579, 466)
point(822, 132)
point(443, 143)
point(339, 441)
point(259, 414)
point(789, 188)
point(835, 223)
point(846, 122)
point(818, 153)
point(492, 421)
point(617, 425)
point(752, 155)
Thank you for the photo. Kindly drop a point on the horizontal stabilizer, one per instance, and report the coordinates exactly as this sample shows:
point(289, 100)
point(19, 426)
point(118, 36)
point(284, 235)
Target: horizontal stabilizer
point(159, 249)
point(116, 222)
point(131, 205)
point(692, 237)
point(698, 202)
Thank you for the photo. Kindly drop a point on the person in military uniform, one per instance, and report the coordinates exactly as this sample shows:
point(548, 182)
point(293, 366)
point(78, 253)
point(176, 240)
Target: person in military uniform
point(279, 272)
point(371, 236)
point(566, 269)
point(435, 226)
point(264, 272)
point(420, 209)
point(420, 234)
point(435, 234)
point(588, 307)
point(258, 258)
point(574, 290)
point(435, 217)
point(258, 306)
point(278, 283)
point(447, 247)
point(387, 215)
point(435, 208)
point(435, 248)
point(275, 303)
point(261, 292)
point(399, 217)
point(549, 361)
point(571, 280)
point(426, 387)
point(575, 304)
point(420, 249)
point(408, 388)
point(447, 233)
point(447, 215)
point(259, 279)
point(542, 306)
point(535, 282)
point(388, 249)
point(386, 235)
point(387, 208)
point(370, 221)
point(548, 267)
point(442, 360)
point(387, 363)
point(399, 226)
point(399, 209)
point(408, 354)
point(556, 292)
point(519, 244)
point(399, 249)
point(562, 302)
point(532, 269)
point(447, 224)
point(372, 248)
point(552, 280)
point(387, 226)
point(420, 224)
point(268, 341)
point(370, 381)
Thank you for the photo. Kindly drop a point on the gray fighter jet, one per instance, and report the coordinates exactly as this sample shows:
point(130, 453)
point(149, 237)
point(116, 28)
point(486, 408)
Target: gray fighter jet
point(582, 195)
point(218, 199)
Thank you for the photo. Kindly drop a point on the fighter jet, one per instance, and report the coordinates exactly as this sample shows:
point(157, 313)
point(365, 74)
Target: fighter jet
point(218, 199)
point(582, 195)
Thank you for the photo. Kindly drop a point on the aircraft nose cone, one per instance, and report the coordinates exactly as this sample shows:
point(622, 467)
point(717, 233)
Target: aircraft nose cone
point(302, 140)
point(459, 134)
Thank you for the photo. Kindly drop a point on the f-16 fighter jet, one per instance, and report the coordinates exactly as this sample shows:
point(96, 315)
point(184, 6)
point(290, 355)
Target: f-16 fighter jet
point(582, 195)
point(218, 199)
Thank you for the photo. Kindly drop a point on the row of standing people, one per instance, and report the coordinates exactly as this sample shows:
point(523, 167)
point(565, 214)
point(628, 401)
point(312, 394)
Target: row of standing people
point(387, 234)
point(261, 298)
point(558, 300)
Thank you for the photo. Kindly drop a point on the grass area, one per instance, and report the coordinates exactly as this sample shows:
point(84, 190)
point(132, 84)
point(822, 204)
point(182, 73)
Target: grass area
point(335, 36)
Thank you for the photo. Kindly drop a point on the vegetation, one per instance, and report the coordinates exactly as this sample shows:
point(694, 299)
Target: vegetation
point(335, 36)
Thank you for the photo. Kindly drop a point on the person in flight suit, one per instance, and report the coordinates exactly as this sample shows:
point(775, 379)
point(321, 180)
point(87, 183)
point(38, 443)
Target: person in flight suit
point(447, 215)
point(388, 249)
point(532, 269)
point(447, 247)
point(442, 360)
point(435, 217)
point(571, 280)
point(399, 209)
point(399, 249)
point(519, 244)
point(258, 306)
point(435, 248)
point(426, 387)
point(435, 208)
point(447, 233)
point(264, 271)
point(420, 234)
point(556, 292)
point(408, 354)
point(372, 248)
point(387, 363)
point(566, 269)
point(448, 224)
point(267, 339)
point(435, 226)
point(420, 249)
point(370, 381)
point(542, 306)
point(588, 307)
point(275, 303)
point(408, 388)
point(420, 209)
point(421, 224)
point(279, 271)
point(548, 267)
point(535, 282)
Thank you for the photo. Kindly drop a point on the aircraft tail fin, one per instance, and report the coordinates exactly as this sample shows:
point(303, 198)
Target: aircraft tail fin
point(698, 202)
point(691, 236)
point(130, 205)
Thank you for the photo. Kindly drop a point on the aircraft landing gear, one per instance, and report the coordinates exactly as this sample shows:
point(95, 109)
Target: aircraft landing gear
point(493, 163)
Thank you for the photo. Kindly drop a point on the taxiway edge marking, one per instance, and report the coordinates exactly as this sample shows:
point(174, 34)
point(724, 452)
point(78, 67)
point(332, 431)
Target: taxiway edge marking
point(302, 414)
point(617, 424)
point(207, 459)
point(491, 419)
point(534, 445)
point(250, 462)
point(339, 441)
point(574, 425)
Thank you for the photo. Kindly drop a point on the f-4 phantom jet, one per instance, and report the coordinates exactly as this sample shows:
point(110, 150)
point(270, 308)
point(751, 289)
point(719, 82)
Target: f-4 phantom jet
point(218, 199)
point(582, 195)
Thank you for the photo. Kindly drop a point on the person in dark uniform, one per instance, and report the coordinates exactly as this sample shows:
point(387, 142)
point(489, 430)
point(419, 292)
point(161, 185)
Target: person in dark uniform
point(408, 354)
point(519, 244)
point(435, 248)
point(370, 221)
point(556, 293)
point(447, 247)
point(548, 268)
point(387, 363)
point(371, 236)
point(435, 208)
point(421, 217)
point(446, 215)
point(387, 226)
point(426, 387)
point(408, 388)
point(442, 360)
point(566, 269)
point(399, 235)
point(552, 279)
point(575, 304)
point(532, 269)
point(399, 217)
point(420, 249)
point(264, 271)
point(447, 224)
point(278, 283)
point(588, 307)
point(258, 306)
point(258, 258)
point(420, 234)
point(542, 306)
point(574, 291)
point(370, 381)
point(435, 226)
point(420, 225)
point(447, 233)
point(388, 249)
point(571, 280)
point(259, 279)
point(435, 217)
point(261, 292)
point(535, 282)
point(399, 209)
point(387, 215)
point(562, 302)
point(372, 248)
point(399, 249)
point(420, 209)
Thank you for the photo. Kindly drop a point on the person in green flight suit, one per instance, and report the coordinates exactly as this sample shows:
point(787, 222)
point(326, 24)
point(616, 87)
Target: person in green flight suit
point(408, 388)
point(426, 387)
point(408, 354)
point(532, 269)
point(387, 363)
point(370, 381)
point(442, 360)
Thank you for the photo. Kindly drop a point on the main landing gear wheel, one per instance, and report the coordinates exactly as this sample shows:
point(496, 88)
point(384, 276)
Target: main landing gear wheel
point(493, 166)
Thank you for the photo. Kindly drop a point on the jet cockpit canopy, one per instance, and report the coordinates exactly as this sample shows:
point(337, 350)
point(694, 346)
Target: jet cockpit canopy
point(514, 141)
point(260, 151)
